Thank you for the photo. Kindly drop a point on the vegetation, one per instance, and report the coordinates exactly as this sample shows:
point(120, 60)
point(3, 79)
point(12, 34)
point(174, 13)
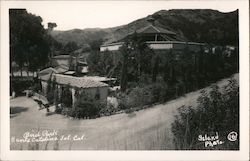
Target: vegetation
point(100, 63)
point(147, 77)
point(29, 42)
point(85, 107)
point(217, 112)
point(66, 97)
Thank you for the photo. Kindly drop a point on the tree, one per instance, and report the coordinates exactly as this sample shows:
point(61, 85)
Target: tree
point(51, 26)
point(28, 40)
point(66, 96)
point(155, 71)
point(69, 47)
point(95, 44)
point(126, 51)
point(216, 111)
point(136, 60)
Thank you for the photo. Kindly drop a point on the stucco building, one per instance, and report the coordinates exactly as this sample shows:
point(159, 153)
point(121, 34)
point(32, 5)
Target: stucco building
point(95, 87)
point(77, 85)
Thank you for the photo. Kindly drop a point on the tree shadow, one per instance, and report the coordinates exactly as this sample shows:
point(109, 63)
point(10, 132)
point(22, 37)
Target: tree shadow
point(132, 114)
point(16, 110)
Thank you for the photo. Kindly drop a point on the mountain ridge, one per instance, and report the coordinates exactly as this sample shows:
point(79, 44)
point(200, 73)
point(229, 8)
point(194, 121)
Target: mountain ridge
point(198, 25)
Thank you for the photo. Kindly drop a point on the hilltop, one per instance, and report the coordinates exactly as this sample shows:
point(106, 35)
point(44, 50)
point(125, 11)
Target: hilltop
point(196, 25)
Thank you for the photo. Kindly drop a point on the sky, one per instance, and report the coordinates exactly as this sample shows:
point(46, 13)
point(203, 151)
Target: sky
point(103, 14)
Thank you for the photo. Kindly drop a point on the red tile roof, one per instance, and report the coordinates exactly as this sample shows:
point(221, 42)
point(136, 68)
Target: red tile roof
point(79, 82)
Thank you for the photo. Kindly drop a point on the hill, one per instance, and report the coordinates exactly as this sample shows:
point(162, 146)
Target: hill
point(209, 26)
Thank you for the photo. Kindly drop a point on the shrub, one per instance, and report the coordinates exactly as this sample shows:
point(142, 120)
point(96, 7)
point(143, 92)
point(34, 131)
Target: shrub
point(67, 111)
point(144, 95)
point(140, 97)
point(66, 97)
point(123, 101)
point(216, 112)
point(18, 85)
point(109, 109)
point(59, 109)
point(50, 96)
point(87, 109)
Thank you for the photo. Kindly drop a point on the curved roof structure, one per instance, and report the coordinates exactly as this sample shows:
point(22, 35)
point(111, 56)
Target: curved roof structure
point(150, 29)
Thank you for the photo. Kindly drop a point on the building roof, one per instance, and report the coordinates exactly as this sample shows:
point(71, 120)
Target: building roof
point(45, 77)
point(45, 74)
point(70, 72)
point(61, 68)
point(98, 78)
point(47, 71)
point(150, 29)
point(82, 62)
point(79, 82)
point(61, 57)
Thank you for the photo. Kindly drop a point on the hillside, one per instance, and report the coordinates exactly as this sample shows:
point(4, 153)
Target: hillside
point(208, 26)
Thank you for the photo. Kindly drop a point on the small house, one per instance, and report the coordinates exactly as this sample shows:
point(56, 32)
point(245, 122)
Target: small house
point(77, 85)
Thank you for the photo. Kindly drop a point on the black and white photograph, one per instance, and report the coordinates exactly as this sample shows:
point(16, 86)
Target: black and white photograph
point(125, 76)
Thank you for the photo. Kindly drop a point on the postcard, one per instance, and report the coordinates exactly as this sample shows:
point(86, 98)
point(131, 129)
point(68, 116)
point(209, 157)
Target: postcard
point(125, 80)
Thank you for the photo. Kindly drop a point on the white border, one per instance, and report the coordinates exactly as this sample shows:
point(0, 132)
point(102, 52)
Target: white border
point(242, 154)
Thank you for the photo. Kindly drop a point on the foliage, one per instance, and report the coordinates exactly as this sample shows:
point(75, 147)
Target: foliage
point(100, 63)
point(51, 88)
point(164, 74)
point(19, 85)
point(217, 111)
point(95, 44)
point(66, 111)
point(66, 97)
point(70, 47)
point(144, 95)
point(108, 110)
point(28, 40)
point(136, 60)
point(51, 25)
point(85, 107)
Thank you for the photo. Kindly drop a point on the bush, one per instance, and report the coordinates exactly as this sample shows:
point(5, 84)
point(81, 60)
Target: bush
point(67, 111)
point(19, 85)
point(216, 112)
point(66, 97)
point(145, 95)
point(50, 97)
point(108, 110)
point(87, 109)
point(59, 108)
